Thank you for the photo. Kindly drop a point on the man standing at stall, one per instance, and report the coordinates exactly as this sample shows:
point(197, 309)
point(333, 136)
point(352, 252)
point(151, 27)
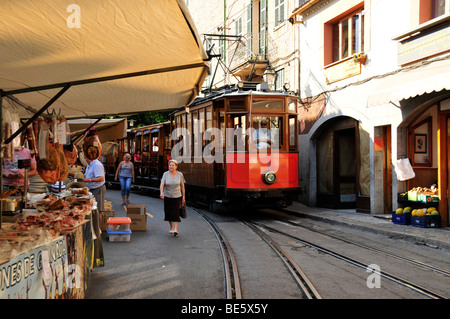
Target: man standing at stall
point(95, 181)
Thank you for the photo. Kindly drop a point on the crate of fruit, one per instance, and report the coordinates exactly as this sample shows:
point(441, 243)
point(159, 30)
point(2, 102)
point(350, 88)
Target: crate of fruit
point(401, 218)
point(426, 221)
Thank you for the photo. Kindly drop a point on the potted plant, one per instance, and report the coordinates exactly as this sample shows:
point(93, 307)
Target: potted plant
point(360, 57)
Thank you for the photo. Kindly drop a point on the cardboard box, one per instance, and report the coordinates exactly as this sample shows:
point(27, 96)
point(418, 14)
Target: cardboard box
point(138, 215)
point(107, 205)
point(138, 222)
point(428, 198)
point(135, 209)
point(412, 196)
point(104, 219)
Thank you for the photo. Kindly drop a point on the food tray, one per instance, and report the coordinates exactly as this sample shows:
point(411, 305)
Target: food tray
point(401, 219)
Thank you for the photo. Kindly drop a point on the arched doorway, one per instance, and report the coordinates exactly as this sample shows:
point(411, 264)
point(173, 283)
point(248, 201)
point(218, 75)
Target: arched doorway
point(343, 179)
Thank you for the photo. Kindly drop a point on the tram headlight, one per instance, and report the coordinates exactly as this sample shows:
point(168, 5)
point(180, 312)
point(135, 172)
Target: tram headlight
point(269, 177)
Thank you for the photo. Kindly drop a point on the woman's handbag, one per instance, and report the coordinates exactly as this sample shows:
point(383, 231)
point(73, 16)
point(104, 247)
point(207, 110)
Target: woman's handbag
point(183, 213)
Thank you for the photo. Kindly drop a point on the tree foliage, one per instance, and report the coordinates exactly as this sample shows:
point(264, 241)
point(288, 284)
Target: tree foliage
point(148, 118)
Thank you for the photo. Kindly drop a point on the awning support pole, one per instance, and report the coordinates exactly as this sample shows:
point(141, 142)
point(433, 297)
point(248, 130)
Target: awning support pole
point(1, 155)
point(37, 114)
point(84, 132)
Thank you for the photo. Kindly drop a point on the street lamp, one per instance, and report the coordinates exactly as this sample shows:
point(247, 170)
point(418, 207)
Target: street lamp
point(269, 76)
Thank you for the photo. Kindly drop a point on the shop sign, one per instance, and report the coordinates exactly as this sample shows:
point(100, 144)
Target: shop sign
point(40, 273)
point(378, 143)
point(424, 45)
point(342, 70)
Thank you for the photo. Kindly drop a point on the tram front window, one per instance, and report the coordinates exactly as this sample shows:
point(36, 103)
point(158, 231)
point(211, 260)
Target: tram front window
point(267, 132)
point(237, 140)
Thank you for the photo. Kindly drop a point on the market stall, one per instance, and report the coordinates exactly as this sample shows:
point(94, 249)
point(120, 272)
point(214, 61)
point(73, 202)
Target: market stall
point(49, 249)
point(66, 61)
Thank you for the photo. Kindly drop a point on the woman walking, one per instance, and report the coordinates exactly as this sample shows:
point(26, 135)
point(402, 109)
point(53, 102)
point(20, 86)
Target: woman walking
point(125, 174)
point(173, 193)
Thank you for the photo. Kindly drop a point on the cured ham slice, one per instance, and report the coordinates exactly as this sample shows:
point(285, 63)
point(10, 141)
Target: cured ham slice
point(71, 154)
point(92, 148)
point(63, 167)
point(49, 168)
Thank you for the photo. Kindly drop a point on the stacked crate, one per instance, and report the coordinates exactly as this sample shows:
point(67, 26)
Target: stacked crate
point(119, 229)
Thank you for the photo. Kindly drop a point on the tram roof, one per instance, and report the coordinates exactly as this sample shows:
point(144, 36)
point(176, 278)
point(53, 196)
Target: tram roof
point(233, 91)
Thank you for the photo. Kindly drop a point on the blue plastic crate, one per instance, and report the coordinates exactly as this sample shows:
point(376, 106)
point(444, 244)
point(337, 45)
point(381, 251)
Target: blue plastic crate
point(427, 221)
point(402, 219)
point(119, 235)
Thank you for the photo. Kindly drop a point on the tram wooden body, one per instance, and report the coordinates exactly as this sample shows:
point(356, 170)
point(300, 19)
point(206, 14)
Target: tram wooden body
point(214, 142)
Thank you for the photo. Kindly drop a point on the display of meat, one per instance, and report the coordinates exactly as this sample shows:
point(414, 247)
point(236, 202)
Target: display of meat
point(71, 154)
point(80, 191)
point(9, 149)
point(31, 139)
point(49, 168)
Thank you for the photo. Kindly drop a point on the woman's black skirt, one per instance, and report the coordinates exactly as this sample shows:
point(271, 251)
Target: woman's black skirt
point(172, 209)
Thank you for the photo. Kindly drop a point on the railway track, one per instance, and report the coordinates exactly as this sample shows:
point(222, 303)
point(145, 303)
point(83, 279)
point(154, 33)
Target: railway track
point(233, 286)
point(417, 263)
point(299, 276)
point(406, 283)
point(232, 282)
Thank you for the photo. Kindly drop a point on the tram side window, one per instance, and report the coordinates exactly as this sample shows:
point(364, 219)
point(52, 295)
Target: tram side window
point(155, 138)
point(201, 123)
point(145, 143)
point(292, 133)
point(197, 134)
point(267, 132)
point(188, 149)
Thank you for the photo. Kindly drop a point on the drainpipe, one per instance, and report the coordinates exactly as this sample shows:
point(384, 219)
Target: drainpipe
point(225, 42)
point(299, 62)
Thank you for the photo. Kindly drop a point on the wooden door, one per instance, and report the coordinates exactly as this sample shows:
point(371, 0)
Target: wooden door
point(387, 169)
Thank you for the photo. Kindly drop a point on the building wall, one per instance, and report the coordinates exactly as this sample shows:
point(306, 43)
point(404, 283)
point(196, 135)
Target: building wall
point(218, 16)
point(384, 21)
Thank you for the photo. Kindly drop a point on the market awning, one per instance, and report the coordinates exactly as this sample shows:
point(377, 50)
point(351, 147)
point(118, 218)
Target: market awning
point(107, 129)
point(410, 83)
point(93, 58)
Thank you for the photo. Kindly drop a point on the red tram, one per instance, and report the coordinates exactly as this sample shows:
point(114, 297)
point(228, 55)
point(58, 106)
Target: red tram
point(149, 147)
point(219, 144)
point(222, 155)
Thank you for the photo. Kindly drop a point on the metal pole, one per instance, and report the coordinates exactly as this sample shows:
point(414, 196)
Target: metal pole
point(1, 155)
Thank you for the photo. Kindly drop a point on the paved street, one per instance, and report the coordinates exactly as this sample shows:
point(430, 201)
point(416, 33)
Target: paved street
point(157, 265)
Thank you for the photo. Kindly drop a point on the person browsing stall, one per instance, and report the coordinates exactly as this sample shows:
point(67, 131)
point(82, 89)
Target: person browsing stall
point(95, 181)
point(125, 174)
point(172, 191)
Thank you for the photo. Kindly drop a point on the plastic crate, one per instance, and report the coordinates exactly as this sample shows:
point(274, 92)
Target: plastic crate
point(119, 235)
point(119, 224)
point(401, 219)
point(427, 221)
